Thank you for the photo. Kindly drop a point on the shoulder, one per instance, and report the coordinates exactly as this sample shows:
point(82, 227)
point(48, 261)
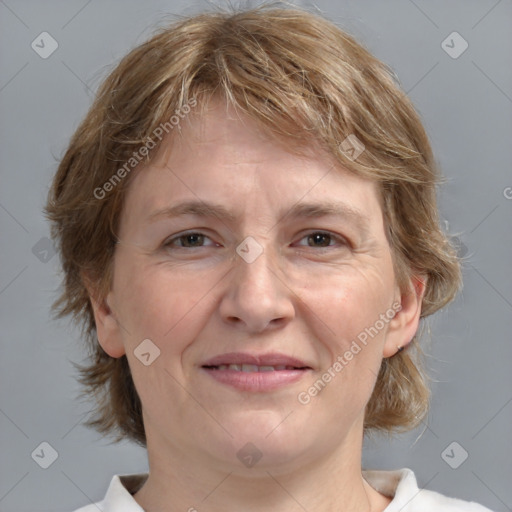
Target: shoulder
point(119, 495)
point(402, 487)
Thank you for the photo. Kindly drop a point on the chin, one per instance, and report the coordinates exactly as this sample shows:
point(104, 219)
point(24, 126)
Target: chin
point(261, 441)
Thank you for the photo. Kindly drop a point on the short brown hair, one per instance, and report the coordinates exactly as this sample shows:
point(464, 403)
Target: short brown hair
point(301, 78)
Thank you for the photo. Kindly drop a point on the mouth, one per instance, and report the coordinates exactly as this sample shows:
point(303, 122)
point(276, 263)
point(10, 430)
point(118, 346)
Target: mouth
point(256, 373)
point(254, 368)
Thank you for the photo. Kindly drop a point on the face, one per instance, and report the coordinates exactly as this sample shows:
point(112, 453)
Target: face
point(264, 282)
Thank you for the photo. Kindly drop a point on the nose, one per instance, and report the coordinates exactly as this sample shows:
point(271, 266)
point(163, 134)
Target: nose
point(257, 297)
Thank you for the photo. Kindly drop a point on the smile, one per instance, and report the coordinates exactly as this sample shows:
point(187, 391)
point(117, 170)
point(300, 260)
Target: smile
point(256, 373)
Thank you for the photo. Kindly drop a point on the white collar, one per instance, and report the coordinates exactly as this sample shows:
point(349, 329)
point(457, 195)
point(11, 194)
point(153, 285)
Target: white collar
point(400, 485)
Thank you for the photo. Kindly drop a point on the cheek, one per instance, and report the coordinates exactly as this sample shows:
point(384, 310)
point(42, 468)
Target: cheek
point(169, 308)
point(160, 303)
point(349, 299)
point(348, 309)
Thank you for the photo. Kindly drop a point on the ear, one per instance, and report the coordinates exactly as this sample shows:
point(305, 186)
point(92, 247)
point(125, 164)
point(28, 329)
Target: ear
point(107, 326)
point(403, 326)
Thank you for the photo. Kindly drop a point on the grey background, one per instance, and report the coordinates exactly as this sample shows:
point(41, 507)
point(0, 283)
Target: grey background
point(466, 105)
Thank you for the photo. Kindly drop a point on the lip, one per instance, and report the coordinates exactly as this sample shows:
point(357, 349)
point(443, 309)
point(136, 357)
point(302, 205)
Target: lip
point(256, 381)
point(271, 359)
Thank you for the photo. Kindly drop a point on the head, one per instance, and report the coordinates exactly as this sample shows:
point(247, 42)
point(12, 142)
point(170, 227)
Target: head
point(258, 111)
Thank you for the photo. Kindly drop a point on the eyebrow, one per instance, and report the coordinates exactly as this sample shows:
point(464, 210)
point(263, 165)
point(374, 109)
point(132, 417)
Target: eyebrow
point(324, 209)
point(199, 208)
point(299, 210)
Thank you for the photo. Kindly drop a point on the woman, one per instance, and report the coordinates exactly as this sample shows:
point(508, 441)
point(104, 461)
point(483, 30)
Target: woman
point(248, 227)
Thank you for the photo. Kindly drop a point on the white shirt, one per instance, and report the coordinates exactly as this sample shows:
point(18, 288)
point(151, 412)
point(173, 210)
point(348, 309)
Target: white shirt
point(400, 485)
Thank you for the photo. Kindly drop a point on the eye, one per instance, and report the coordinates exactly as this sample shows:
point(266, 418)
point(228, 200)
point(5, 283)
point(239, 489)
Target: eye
point(321, 239)
point(189, 240)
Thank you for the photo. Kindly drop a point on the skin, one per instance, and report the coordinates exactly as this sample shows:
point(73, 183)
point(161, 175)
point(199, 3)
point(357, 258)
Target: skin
point(305, 296)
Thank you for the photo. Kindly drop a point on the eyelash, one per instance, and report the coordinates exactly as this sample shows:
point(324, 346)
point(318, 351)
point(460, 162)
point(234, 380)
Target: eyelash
point(169, 242)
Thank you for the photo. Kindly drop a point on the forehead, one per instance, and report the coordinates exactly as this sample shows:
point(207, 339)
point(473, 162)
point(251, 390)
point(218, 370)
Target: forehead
point(224, 157)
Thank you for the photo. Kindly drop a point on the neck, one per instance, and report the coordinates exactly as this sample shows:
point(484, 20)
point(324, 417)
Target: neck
point(180, 481)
